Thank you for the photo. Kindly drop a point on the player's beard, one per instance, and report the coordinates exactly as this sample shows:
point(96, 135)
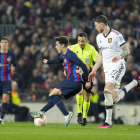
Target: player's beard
point(101, 31)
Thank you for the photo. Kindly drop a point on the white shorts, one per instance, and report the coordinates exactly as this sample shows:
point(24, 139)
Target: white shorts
point(115, 74)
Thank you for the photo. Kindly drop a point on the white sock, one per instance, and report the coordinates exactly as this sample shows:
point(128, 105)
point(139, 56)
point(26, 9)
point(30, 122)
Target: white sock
point(132, 84)
point(109, 116)
point(108, 102)
point(120, 96)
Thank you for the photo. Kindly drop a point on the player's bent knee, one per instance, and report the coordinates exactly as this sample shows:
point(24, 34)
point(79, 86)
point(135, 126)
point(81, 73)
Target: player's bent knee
point(87, 97)
point(109, 86)
point(55, 91)
point(81, 92)
point(5, 98)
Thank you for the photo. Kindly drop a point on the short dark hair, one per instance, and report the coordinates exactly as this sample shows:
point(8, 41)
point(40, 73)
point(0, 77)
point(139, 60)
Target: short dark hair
point(83, 34)
point(62, 40)
point(4, 38)
point(101, 19)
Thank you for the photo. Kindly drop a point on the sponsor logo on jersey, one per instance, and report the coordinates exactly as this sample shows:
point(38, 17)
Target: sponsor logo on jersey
point(3, 64)
point(103, 48)
point(109, 40)
point(8, 59)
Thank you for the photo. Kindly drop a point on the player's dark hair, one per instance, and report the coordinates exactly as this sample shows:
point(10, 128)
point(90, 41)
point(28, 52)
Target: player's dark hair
point(62, 40)
point(4, 38)
point(101, 19)
point(83, 35)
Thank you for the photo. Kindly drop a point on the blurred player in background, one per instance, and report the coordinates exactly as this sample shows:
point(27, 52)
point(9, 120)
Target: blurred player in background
point(71, 86)
point(112, 51)
point(7, 63)
point(88, 55)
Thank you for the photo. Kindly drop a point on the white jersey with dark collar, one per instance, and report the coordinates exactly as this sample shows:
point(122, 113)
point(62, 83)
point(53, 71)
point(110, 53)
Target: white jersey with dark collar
point(110, 46)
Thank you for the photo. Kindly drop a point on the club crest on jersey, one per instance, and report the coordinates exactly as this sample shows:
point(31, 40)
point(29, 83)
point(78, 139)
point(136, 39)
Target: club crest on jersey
point(64, 60)
point(8, 59)
point(109, 40)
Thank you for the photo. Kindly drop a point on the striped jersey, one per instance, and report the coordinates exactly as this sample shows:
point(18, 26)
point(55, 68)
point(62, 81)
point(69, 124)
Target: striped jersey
point(70, 63)
point(6, 59)
point(110, 46)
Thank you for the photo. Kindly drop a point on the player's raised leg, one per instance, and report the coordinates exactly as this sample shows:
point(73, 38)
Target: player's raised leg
point(122, 92)
point(55, 100)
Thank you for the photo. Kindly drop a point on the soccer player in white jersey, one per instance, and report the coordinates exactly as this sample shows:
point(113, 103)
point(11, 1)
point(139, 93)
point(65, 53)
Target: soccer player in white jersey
point(112, 51)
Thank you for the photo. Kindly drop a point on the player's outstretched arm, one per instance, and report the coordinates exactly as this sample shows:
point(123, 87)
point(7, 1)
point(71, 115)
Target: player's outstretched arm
point(45, 61)
point(56, 60)
point(95, 67)
point(124, 54)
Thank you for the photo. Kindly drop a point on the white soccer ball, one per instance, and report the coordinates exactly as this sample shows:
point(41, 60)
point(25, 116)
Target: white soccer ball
point(40, 121)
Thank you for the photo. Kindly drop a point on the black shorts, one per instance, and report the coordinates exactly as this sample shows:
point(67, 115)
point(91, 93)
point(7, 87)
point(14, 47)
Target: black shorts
point(84, 83)
point(5, 87)
point(69, 88)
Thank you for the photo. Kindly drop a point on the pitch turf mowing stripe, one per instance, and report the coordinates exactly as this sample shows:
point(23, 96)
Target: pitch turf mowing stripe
point(28, 131)
point(36, 133)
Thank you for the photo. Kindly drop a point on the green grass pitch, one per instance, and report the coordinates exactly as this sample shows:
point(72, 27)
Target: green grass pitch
point(28, 131)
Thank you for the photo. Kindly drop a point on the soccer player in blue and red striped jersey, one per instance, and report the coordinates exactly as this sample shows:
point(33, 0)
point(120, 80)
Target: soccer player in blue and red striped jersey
point(73, 83)
point(7, 63)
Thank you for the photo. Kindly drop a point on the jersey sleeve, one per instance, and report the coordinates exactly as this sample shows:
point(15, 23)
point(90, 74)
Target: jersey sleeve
point(94, 54)
point(120, 40)
point(74, 59)
point(56, 60)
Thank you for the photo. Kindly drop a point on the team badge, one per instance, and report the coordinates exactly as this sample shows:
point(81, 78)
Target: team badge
point(109, 40)
point(8, 59)
point(87, 60)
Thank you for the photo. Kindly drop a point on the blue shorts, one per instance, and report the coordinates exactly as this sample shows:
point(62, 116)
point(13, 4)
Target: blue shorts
point(69, 88)
point(5, 87)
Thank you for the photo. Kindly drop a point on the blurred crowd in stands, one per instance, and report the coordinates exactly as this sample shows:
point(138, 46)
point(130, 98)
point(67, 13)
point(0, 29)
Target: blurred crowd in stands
point(38, 22)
